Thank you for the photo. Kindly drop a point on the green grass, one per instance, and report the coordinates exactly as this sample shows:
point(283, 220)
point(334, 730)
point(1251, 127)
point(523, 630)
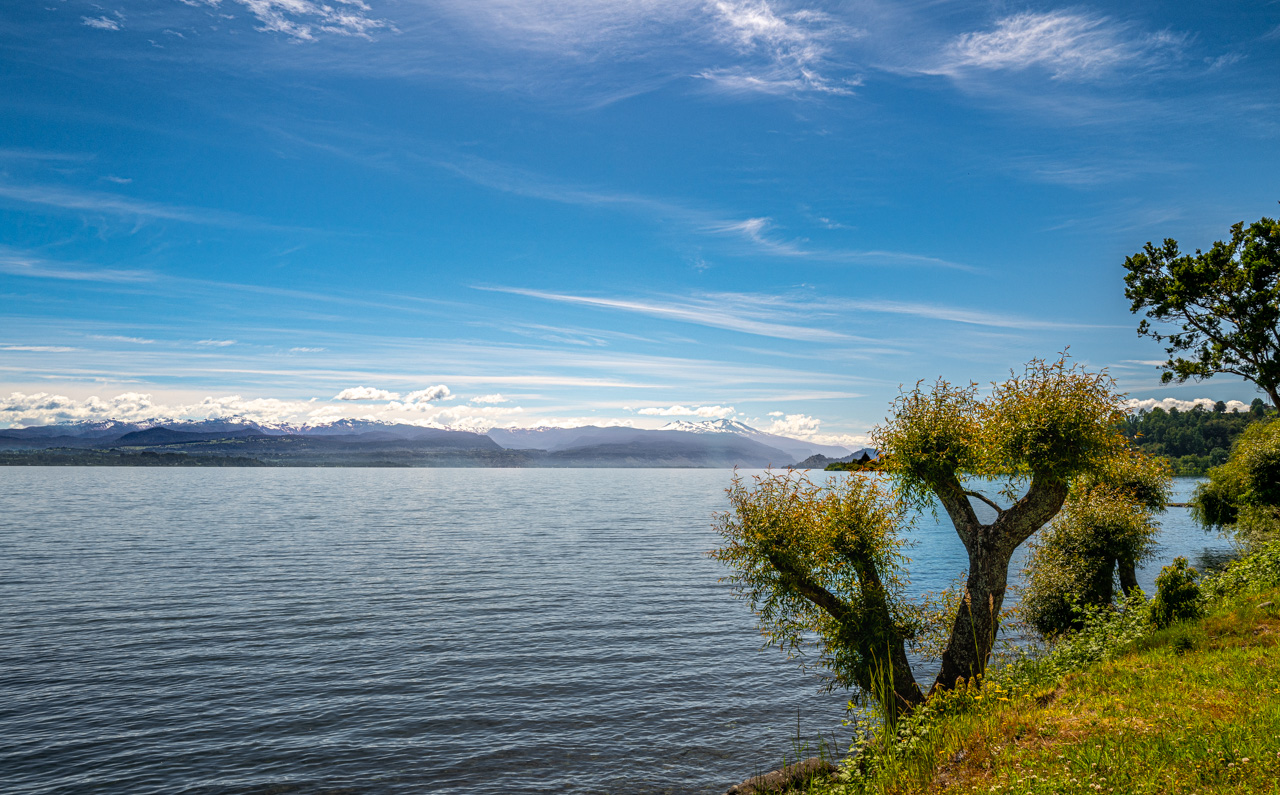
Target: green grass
point(1194, 708)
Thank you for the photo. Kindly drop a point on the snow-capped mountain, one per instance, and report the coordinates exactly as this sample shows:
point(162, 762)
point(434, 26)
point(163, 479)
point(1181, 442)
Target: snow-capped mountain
point(796, 447)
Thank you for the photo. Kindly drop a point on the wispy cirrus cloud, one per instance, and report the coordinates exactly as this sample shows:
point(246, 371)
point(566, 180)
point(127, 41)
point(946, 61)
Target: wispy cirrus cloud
point(121, 338)
point(757, 233)
point(101, 23)
point(16, 264)
point(788, 50)
point(304, 20)
point(38, 348)
point(1066, 44)
point(777, 316)
point(700, 312)
point(116, 205)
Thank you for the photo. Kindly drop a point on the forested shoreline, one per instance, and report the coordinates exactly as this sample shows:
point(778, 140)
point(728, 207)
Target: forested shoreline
point(1195, 440)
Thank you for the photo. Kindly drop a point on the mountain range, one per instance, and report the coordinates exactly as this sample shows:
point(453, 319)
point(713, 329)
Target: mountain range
point(353, 442)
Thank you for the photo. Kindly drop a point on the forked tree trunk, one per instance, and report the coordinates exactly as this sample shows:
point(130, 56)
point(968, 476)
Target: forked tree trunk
point(990, 547)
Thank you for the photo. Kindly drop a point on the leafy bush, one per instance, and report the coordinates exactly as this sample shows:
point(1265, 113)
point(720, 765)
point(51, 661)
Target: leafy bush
point(1106, 527)
point(1257, 572)
point(1177, 594)
point(1243, 495)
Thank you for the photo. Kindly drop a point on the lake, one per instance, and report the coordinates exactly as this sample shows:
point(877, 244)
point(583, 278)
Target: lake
point(395, 631)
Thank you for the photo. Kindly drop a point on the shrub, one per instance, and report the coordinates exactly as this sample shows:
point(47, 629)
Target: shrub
point(1243, 495)
point(1177, 594)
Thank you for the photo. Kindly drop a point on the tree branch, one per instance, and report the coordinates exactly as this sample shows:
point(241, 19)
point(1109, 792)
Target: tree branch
point(952, 496)
point(976, 495)
point(1041, 503)
point(809, 589)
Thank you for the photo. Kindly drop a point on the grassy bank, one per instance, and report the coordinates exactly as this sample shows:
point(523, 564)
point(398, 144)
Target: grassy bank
point(1118, 708)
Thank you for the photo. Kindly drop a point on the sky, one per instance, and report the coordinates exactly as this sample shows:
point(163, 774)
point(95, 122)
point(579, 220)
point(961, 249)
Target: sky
point(472, 213)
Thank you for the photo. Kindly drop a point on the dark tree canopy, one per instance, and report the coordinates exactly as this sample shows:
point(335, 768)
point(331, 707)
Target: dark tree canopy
point(1217, 311)
point(1192, 440)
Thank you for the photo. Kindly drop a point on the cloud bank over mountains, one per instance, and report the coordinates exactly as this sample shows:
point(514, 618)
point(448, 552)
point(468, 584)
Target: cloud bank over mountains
point(478, 414)
point(421, 407)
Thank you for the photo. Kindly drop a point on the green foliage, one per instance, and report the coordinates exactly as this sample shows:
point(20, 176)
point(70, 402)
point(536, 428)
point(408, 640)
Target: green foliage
point(1221, 306)
point(788, 542)
point(1053, 420)
point(1193, 440)
point(1101, 632)
point(1177, 594)
point(1093, 704)
point(822, 566)
point(1243, 495)
point(1257, 572)
point(930, 436)
point(1072, 565)
point(1107, 521)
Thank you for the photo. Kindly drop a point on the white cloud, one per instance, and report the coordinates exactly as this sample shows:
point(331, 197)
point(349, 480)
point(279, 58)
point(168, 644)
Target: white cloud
point(477, 419)
point(802, 426)
point(215, 343)
point(302, 20)
point(495, 398)
point(1184, 405)
point(793, 47)
point(706, 313)
point(421, 400)
point(1066, 44)
point(775, 414)
point(118, 338)
point(101, 23)
point(43, 408)
point(366, 393)
point(38, 348)
point(798, 425)
point(430, 394)
point(716, 412)
point(307, 350)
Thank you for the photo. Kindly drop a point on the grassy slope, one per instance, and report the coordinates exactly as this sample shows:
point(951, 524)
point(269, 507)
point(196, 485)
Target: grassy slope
point(1191, 709)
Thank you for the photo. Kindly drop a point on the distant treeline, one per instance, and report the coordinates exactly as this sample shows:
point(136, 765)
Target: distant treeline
point(67, 457)
point(1192, 440)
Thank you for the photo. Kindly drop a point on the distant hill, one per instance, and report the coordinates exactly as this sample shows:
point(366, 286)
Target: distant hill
point(350, 442)
point(822, 461)
point(672, 449)
point(163, 436)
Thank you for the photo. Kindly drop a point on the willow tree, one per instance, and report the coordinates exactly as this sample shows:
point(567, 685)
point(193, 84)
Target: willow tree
point(1105, 529)
point(823, 565)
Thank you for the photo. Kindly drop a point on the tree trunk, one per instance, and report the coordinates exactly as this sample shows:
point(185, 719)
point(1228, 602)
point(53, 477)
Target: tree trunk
point(977, 622)
point(1128, 577)
point(990, 548)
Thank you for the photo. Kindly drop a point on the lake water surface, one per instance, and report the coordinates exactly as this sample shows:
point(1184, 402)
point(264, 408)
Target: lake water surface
point(394, 631)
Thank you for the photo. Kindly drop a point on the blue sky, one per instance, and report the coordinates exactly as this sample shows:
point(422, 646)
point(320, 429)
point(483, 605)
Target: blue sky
point(603, 211)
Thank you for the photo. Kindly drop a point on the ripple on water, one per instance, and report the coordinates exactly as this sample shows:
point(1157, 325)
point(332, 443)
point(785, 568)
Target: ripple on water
point(367, 631)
